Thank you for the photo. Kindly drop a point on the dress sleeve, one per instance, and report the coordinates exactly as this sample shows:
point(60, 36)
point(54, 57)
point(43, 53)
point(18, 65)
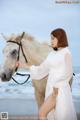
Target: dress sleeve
point(68, 63)
point(39, 72)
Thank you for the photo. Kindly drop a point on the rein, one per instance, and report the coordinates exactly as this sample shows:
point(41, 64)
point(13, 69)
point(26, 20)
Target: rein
point(18, 58)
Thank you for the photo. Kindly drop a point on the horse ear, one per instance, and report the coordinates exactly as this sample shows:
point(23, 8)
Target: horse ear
point(10, 37)
point(20, 37)
point(13, 37)
point(5, 37)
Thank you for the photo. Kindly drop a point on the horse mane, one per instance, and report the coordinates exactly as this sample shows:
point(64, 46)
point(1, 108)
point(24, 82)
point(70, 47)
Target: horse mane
point(39, 48)
point(28, 37)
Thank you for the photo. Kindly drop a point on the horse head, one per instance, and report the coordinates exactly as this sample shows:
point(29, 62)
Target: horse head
point(11, 54)
point(24, 48)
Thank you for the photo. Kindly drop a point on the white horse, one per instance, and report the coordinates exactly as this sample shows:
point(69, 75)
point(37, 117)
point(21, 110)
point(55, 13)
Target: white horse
point(34, 51)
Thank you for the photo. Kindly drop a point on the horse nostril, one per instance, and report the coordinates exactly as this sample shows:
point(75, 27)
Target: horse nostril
point(6, 76)
point(3, 77)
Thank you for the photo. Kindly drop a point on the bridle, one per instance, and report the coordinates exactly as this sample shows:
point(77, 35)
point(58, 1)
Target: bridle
point(18, 58)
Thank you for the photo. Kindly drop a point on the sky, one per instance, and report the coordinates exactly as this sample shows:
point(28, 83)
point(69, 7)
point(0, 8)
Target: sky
point(39, 18)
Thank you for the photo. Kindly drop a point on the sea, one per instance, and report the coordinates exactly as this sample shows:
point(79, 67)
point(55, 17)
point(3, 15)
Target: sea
point(11, 89)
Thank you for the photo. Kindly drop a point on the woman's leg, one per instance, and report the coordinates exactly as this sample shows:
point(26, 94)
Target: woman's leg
point(48, 105)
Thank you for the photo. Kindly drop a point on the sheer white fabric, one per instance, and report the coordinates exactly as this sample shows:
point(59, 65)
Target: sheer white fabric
point(59, 67)
point(39, 72)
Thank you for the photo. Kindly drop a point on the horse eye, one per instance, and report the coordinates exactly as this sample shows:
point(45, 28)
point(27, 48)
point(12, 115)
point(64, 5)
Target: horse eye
point(14, 52)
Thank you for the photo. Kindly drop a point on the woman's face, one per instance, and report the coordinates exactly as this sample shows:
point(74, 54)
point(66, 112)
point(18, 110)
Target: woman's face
point(54, 42)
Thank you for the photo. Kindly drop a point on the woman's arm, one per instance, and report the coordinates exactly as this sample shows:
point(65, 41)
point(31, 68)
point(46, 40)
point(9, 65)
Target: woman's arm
point(69, 70)
point(37, 72)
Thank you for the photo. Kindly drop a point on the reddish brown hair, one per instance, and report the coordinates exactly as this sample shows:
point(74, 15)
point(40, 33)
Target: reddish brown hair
point(60, 34)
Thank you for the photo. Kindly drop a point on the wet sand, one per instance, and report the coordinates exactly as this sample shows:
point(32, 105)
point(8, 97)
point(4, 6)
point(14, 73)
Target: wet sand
point(31, 117)
point(25, 109)
point(25, 117)
point(19, 106)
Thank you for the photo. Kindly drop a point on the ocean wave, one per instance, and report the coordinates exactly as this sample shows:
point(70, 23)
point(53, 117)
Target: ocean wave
point(10, 89)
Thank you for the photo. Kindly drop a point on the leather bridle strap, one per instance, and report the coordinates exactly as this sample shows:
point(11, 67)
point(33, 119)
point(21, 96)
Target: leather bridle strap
point(20, 47)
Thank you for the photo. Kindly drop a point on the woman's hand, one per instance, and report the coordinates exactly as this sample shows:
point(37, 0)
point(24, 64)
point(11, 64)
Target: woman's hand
point(22, 65)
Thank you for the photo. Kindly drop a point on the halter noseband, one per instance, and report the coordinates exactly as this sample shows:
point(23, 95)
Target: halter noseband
point(18, 58)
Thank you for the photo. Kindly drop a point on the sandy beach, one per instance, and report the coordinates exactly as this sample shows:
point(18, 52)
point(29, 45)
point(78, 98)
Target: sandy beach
point(25, 109)
point(19, 109)
point(23, 117)
point(31, 117)
point(20, 102)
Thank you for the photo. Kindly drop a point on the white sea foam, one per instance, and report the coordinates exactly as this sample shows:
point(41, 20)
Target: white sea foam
point(13, 90)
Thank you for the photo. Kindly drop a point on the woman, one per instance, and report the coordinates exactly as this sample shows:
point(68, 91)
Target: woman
point(58, 67)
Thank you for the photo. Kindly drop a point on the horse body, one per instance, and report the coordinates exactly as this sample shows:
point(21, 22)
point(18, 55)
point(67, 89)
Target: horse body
point(35, 53)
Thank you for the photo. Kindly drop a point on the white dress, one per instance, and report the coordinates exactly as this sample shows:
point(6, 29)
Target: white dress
point(59, 71)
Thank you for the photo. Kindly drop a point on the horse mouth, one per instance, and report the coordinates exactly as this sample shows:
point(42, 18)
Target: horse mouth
point(6, 76)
